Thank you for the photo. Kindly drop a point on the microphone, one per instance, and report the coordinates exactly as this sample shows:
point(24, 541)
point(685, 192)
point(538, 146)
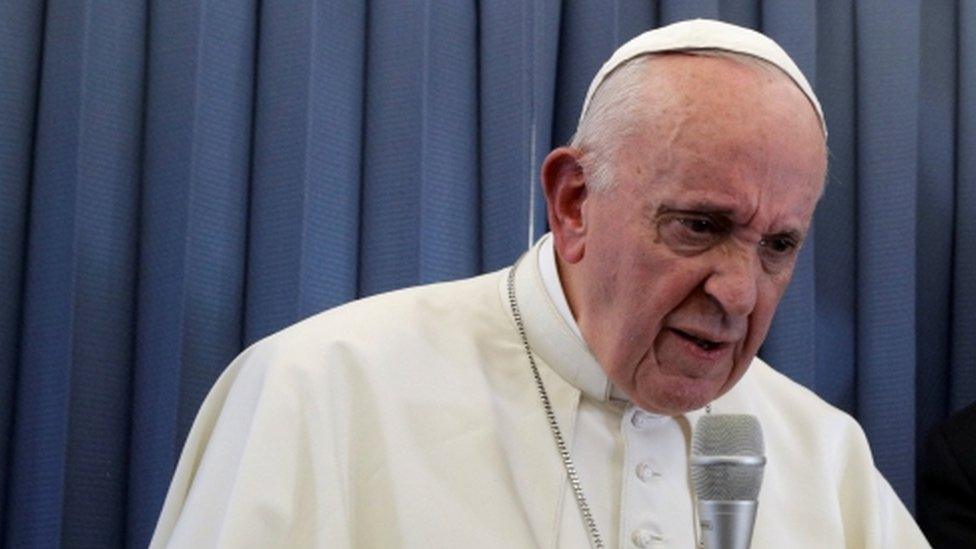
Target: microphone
point(727, 459)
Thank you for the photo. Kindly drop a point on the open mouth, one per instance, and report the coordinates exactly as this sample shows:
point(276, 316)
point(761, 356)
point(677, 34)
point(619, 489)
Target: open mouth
point(703, 344)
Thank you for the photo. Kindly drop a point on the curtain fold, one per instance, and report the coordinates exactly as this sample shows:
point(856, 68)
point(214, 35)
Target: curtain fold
point(962, 359)
point(21, 32)
point(192, 231)
point(887, 106)
point(305, 187)
point(183, 179)
point(834, 221)
point(934, 223)
point(517, 48)
point(71, 406)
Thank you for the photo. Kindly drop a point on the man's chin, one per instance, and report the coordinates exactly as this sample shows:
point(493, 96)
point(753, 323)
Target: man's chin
point(676, 395)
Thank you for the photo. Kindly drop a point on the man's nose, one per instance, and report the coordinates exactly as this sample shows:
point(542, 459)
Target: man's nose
point(734, 281)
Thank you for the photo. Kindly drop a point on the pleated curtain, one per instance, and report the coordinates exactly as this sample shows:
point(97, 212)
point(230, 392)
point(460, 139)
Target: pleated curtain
point(181, 179)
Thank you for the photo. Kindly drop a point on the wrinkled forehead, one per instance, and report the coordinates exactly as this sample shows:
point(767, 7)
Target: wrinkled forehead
point(702, 35)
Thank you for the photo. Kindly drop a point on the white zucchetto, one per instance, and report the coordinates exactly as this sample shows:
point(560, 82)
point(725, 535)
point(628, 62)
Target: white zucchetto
point(705, 34)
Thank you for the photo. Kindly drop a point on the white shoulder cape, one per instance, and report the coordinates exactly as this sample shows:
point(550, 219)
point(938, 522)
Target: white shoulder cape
point(411, 419)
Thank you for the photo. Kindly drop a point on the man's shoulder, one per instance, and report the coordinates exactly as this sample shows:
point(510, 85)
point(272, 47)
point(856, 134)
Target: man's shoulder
point(796, 408)
point(817, 450)
point(395, 312)
point(417, 329)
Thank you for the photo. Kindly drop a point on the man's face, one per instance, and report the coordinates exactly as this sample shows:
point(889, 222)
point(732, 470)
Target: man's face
point(687, 255)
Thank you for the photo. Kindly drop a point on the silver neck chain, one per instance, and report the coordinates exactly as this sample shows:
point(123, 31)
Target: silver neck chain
point(557, 434)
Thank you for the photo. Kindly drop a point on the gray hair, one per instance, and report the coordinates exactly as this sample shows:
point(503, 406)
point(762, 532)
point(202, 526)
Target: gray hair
point(616, 106)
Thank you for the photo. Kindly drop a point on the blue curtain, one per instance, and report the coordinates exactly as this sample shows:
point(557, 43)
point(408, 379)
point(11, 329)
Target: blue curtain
point(180, 179)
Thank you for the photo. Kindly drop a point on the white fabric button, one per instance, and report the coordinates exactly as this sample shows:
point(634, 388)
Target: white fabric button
point(641, 538)
point(646, 473)
point(645, 538)
point(639, 419)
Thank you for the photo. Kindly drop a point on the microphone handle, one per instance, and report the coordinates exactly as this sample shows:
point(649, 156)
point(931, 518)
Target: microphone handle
point(727, 524)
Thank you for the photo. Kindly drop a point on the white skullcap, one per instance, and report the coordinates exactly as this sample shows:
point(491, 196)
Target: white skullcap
point(705, 34)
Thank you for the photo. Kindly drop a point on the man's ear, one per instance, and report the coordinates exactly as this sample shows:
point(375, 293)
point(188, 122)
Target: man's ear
point(564, 183)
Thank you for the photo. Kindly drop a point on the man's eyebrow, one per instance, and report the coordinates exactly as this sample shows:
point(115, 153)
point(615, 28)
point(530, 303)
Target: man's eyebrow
point(720, 211)
point(694, 208)
point(795, 235)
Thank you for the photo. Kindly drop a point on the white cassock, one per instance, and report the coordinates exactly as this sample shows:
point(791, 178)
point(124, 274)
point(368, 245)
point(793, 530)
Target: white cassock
point(411, 419)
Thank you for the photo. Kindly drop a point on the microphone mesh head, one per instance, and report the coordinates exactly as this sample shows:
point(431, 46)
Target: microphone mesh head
point(727, 435)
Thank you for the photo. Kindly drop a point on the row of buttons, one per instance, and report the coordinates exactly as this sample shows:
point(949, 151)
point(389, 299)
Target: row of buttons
point(640, 420)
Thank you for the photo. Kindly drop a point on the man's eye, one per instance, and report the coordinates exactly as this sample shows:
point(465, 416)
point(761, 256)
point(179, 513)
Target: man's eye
point(689, 233)
point(778, 245)
point(700, 225)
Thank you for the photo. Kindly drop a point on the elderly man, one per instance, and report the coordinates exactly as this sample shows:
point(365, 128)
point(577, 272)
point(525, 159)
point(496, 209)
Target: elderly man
point(427, 417)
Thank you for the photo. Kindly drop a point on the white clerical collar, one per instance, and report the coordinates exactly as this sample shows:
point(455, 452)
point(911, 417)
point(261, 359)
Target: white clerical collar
point(554, 287)
point(540, 294)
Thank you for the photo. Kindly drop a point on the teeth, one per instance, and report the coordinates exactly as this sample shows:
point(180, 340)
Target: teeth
point(707, 345)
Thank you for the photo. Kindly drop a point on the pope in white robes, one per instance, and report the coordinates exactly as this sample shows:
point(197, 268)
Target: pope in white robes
point(413, 418)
